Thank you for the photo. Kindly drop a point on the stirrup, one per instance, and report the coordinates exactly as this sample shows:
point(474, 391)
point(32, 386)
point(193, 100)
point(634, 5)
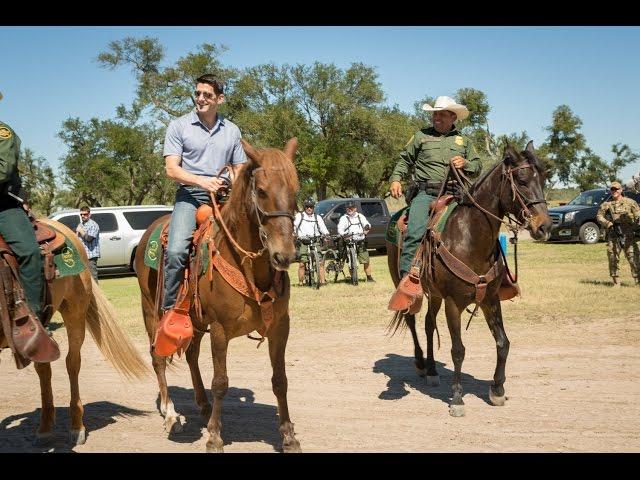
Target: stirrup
point(408, 296)
point(30, 339)
point(174, 333)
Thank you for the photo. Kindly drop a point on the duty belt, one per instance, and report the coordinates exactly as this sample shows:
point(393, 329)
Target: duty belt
point(433, 187)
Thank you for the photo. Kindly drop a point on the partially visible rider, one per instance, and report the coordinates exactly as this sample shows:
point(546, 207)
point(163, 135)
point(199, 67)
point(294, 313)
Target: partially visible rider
point(357, 226)
point(308, 225)
point(17, 230)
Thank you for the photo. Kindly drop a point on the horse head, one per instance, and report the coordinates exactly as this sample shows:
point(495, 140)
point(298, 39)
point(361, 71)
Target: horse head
point(525, 197)
point(268, 187)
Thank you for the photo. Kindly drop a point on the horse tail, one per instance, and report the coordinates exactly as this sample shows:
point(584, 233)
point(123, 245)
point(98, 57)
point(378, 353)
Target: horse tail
point(111, 340)
point(396, 322)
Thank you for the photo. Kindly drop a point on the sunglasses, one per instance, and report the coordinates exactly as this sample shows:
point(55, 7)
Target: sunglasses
point(614, 189)
point(207, 95)
point(84, 214)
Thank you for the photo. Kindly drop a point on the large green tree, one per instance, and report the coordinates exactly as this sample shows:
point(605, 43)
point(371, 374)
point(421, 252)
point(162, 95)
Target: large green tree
point(565, 144)
point(38, 182)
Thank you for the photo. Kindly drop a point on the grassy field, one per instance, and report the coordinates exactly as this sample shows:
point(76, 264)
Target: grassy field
point(559, 282)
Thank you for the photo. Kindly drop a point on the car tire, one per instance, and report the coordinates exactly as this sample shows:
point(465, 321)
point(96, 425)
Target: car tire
point(589, 233)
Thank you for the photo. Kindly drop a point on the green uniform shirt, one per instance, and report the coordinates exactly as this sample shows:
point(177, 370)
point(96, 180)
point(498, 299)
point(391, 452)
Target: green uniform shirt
point(9, 152)
point(625, 211)
point(429, 154)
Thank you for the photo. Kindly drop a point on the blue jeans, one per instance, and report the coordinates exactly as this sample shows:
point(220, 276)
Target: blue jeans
point(183, 224)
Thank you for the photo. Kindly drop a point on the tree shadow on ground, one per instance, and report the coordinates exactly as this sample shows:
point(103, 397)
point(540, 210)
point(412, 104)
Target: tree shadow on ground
point(243, 420)
point(17, 432)
point(402, 374)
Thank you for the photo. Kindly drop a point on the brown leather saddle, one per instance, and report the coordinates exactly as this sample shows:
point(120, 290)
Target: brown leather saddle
point(22, 331)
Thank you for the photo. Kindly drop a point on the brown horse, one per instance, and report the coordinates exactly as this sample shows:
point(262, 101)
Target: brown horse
point(259, 213)
point(513, 186)
point(81, 303)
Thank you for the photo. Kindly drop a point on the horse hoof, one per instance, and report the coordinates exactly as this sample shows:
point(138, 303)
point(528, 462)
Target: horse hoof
point(213, 447)
point(43, 439)
point(172, 425)
point(497, 400)
point(420, 371)
point(292, 446)
point(456, 410)
point(77, 437)
point(433, 381)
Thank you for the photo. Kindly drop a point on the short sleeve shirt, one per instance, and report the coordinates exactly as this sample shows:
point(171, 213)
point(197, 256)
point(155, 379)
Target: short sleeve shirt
point(204, 152)
point(92, 247)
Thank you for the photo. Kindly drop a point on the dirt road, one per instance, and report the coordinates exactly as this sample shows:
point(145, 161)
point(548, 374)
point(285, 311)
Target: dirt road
point(571, 387)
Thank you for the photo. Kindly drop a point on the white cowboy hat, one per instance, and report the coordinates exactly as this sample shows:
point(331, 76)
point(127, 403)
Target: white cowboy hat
point(447, 103)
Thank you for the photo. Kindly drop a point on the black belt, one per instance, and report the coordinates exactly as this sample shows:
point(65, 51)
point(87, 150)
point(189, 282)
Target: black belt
point(429, 184)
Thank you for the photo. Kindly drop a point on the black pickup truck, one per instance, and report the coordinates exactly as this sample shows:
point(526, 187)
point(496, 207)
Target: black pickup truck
point(374, 209)
point(576, 221)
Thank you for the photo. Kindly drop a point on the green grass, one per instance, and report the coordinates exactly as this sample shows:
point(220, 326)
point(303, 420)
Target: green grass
point(559, 282)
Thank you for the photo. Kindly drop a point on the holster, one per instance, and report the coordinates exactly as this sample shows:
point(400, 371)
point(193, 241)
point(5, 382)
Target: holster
point(411, 191)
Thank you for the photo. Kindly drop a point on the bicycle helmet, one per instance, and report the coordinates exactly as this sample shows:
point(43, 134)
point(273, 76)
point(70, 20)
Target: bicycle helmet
point(309, 203)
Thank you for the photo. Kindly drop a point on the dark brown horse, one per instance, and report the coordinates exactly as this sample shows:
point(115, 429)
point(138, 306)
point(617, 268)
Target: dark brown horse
point(259, 213)
point(82, 304)
point(514, 186)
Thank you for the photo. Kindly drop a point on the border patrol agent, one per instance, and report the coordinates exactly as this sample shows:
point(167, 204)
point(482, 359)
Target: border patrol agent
point(428, 153)
point(623, 213)
point(15, 227)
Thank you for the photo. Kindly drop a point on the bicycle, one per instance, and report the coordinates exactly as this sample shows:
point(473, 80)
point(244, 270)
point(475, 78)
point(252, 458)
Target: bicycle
point(334, 261)
point(312, 265)
point(351, 255)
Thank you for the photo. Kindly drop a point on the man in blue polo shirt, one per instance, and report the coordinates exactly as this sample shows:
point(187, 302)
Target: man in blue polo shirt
point(197, 147)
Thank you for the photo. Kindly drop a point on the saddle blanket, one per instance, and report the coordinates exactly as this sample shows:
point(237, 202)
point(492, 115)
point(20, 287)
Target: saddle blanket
point(393, 232)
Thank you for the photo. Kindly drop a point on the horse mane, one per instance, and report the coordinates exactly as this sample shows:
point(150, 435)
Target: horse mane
point(272, 160)
point(529, 156)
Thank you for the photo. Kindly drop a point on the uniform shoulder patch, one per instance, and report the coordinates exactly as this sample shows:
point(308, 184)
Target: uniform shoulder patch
point(459, 140)
point(5, 133)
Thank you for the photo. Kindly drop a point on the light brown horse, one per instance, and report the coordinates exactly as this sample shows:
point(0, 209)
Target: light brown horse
point(513, 186)
point(259, 214)
point(81, 303)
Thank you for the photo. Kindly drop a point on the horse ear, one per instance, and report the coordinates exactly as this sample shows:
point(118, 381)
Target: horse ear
point(290, 148)
point(251, 152)
point(510, 155)
point(529, 147)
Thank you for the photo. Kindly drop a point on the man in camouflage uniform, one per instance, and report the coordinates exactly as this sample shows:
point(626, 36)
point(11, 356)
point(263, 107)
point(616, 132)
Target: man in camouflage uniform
point(428, 154)
point(620, 216)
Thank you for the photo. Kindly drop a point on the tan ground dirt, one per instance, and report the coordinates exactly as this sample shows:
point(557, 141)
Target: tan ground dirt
point(571, 387)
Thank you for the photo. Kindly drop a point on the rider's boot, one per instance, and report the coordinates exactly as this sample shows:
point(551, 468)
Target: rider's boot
point(30, 338)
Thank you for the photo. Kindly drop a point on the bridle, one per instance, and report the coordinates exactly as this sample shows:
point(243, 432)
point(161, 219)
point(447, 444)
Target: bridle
point(517, 196)
point(261, 215)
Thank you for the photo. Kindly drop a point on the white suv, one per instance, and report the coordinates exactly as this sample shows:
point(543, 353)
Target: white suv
point(120, 231)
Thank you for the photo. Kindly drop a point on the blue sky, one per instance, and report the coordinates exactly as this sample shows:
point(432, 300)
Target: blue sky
point(50, 73)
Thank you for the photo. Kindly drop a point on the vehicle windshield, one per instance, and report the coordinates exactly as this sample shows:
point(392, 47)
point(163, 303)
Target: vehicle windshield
point(590, 198)
point(323, 207)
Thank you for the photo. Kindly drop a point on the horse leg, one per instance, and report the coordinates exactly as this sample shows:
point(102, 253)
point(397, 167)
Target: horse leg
point(433, 379)
point(44, 435)
point(493, 314)
point(219, 386)
point(74, 320)
point(192, 354)
point(456, 408)
point(277, 344)
point(417, 351)
point(172, 422)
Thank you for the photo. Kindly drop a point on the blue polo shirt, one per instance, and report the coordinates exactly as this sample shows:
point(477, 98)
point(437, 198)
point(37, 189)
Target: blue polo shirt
point(204, 152)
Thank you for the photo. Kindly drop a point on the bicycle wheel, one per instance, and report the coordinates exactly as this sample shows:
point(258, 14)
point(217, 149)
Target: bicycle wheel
point(307, 272)
point(353, 265)
point(331, 264)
